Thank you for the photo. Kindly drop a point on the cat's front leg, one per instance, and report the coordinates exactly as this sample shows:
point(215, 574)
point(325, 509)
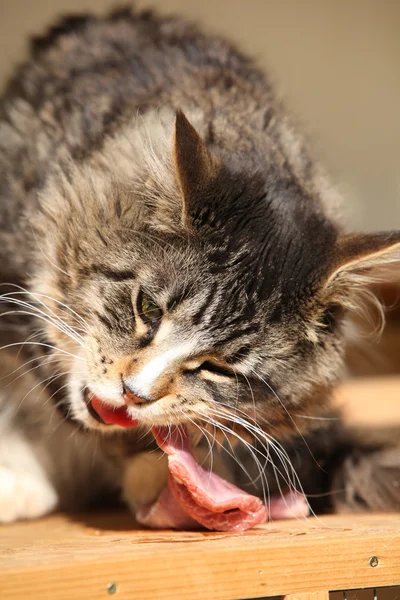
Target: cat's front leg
point(25, 490)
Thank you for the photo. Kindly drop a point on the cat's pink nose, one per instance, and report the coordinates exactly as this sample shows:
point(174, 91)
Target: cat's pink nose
point(130, 397)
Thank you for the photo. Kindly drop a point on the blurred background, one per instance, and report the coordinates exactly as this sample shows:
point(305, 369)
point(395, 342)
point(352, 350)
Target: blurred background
point(335, 63)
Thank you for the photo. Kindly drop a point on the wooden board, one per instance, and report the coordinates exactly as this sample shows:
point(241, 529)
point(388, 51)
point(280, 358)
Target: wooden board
point(103, 555)
point(61, 558)
point(308, 596)
point(371, 401)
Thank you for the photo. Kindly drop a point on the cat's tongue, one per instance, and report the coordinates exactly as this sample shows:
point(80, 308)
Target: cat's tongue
point(111, 415)
point(204, 496)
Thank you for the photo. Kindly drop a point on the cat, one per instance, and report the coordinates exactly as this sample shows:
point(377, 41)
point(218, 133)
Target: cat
point(171, 254)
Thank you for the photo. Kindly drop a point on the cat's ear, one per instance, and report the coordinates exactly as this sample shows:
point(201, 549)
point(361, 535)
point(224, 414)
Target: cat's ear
point(360, 260)
point(196, 167)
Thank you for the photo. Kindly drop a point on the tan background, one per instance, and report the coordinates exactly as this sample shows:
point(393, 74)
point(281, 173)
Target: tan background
point(336, 63)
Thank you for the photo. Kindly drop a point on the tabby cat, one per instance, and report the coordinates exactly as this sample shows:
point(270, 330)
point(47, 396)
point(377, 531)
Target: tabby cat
point(170, 255)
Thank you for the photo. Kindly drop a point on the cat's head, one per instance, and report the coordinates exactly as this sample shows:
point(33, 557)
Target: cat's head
point(192, 290)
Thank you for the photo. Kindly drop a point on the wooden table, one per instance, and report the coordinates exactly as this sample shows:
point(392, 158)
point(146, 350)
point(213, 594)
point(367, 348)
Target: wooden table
point(101, 555)
point(60, 558)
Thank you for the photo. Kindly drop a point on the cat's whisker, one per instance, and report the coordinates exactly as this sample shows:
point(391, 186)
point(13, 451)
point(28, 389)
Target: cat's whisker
point(291, 478)
point(215, 440)
point(39, 384)
point(69, 412)
point(144, 434)
point(252, 395)
point(252, 480)
point(42, 344)
point(48, 360)
point(204, 433)
point(30, 338)
point(316, 418)
point(46, 319)
point(62, 326)
point(52, 316)
point(256, 432)
point(208, 419)
point(294, 484)
point(253, 453)
point(232, 454)
point(36, 295)
point(287, 412)
point(57, 391)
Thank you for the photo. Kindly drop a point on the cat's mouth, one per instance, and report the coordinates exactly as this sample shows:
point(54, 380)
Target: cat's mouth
point(106, 414)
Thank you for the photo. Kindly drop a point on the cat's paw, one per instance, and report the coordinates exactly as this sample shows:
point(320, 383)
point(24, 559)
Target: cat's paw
point(146, 474)
point(24, 496)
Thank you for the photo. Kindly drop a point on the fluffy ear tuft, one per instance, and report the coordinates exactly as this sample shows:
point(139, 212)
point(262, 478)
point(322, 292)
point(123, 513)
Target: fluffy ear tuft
point(359, 262)
point(375, 256)
point(195, 166)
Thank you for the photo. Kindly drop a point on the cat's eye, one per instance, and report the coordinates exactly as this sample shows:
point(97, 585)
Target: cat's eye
point(148, 310)
point(212, 367)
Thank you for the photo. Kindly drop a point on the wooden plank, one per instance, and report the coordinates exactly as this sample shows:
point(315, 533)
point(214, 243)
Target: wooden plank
point(63, 558)
point(321, 595)
point(371, 401)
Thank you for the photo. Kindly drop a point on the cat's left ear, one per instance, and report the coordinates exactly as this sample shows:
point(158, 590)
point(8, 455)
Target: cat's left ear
point(362, 259)
point(195, 166)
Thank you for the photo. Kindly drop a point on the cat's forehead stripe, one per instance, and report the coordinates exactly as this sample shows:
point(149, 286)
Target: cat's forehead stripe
point(198, 316)
point(113, 274)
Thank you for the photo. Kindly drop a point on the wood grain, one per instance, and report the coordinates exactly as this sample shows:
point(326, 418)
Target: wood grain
point(371, 401)
point(322, 595)
point(60, 558)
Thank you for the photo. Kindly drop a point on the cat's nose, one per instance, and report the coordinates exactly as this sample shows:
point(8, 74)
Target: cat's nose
point(130, 397)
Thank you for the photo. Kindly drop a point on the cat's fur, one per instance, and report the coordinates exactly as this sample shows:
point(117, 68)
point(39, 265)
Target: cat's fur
point(218, 213)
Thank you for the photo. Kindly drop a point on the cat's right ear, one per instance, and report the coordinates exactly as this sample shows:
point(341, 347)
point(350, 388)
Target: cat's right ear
point(361, 260)
point(358, 263)
point(195, 166)
point(365, 254)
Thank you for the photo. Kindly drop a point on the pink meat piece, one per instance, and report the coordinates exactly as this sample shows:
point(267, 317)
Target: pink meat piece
point(196, 497)
point(165, 513)
point(203, 495)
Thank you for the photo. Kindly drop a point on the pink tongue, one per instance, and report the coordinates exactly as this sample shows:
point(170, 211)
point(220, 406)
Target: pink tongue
point(113, 416)
point(204, 496)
